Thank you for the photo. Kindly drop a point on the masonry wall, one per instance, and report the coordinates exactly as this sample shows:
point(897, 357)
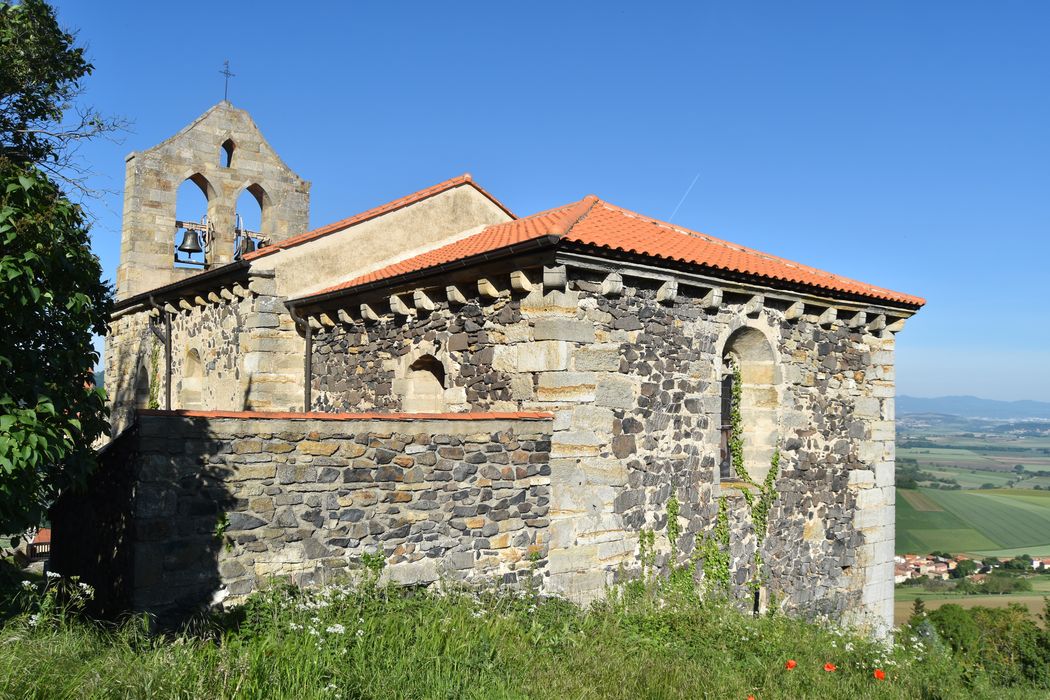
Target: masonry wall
point(222, 505)
point(249, 351)
point(633, 384)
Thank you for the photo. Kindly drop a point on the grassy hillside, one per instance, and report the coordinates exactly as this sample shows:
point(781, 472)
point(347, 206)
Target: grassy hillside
point(365, 642)
point(993, 522)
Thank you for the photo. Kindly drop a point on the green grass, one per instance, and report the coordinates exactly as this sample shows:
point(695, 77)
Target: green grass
point(985, 522)
point(288, 644)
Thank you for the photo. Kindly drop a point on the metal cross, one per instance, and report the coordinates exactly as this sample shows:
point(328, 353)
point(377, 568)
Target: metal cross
point(226, 71)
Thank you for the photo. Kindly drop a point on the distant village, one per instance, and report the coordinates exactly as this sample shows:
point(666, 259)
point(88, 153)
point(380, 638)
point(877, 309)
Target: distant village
point(913, 568)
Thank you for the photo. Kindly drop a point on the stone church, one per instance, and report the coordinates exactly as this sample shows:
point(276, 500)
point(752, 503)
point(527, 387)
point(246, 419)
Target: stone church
point(476, 396)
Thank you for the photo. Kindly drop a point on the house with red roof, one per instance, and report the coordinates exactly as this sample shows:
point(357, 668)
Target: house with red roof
point(538, 391)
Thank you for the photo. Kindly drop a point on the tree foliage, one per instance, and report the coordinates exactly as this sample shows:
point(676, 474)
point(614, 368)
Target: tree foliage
point(41, 70)
point(51, 294)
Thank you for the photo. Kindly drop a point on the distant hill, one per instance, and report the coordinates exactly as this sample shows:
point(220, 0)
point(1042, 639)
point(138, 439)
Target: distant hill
point(974, 407)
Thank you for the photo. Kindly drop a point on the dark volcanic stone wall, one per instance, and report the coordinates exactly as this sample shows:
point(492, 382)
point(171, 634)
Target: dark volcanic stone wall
point(355, 369)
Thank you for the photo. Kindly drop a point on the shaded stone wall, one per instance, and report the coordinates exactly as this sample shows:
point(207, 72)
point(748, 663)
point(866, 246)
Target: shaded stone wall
point(221, 505)
point(250, 356)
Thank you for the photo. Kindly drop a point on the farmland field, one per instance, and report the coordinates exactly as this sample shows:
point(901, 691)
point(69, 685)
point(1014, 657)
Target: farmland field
point(992, 522)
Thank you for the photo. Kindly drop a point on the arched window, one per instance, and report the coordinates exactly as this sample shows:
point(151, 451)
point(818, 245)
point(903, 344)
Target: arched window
point(226, 153)
point(250, 218)
point(748, 383)
point(425, 388)
point(191, 209)
point(192, 381)
point(142, 388)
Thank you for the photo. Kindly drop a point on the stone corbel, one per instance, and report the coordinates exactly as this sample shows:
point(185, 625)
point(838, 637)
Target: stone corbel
point(314, 323)
point(555, 277)
point(897, 326)
point(520, 282)
point(754, 305)
point(344, 317)
point(667, 292)
point(422, 301)
point(185, 305)
point(326, 320)
point(170, 308)
point(399, 307)
point(858, 320)
point(455, 295)
point(712, 301)
point(227, 294)
point(214, 298)
point(487, 289)
point(199, 300)
point(828, 317)
point(612, 285)
point(877, 324)
point(241, 291)
point(795, 311)
point(368, 313)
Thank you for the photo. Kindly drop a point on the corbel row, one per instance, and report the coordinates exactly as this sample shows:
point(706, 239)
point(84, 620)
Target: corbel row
point(824, 315)
point(408, 304)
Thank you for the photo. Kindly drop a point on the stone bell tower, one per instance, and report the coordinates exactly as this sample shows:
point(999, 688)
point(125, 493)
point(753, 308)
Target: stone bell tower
point(224, 154)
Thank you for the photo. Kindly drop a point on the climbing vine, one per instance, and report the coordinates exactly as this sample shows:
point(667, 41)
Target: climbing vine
point(674, 529)
point(154, 371)
point(713, 550)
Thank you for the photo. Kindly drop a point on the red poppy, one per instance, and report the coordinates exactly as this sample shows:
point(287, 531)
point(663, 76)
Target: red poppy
point(750, 697)
point(790, 664)
point(829, 667)
point(880, 675)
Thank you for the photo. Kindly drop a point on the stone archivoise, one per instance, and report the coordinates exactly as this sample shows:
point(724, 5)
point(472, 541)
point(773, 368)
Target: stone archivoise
point(473, 396)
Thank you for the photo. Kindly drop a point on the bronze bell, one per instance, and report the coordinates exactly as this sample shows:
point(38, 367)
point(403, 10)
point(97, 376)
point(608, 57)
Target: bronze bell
point(191, 243)
point(245, 245)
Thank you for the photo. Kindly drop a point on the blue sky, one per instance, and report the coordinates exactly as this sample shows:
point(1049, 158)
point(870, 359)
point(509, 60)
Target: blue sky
point(901, 143)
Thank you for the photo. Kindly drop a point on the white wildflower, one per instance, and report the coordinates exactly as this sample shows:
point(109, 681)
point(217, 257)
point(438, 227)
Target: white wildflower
point(360, 633)
point(34, 620)
point(28, 585)
point(295, 627)
point(53, 574)
point(335, 629)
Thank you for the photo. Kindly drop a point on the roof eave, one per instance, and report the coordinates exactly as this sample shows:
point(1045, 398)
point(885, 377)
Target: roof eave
point(533, 244)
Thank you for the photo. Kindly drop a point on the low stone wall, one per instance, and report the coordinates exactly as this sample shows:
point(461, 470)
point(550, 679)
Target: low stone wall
point(223, 504)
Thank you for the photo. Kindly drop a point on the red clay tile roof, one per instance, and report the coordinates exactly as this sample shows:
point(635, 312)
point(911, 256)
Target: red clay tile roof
point(595, 223)
point(43, 535)
point(405, 201)
point(290, 415)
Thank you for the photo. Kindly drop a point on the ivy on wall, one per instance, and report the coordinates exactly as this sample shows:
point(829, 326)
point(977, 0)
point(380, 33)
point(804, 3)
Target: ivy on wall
point(154, 376)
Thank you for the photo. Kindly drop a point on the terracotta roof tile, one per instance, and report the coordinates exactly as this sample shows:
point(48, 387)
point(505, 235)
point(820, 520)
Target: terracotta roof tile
point(595, 223)
point(554, 222)
point(405, 201)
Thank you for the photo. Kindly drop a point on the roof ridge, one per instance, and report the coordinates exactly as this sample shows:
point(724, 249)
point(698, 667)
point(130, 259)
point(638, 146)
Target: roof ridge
point(574, 214)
